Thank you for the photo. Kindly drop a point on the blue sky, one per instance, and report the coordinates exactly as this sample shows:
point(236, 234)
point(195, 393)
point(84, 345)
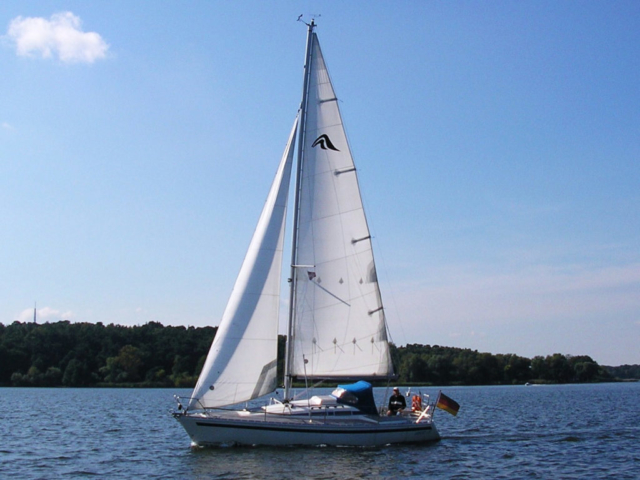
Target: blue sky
point(498, 145)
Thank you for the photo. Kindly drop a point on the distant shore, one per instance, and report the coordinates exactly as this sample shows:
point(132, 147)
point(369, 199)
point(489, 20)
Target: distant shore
point(65, 354)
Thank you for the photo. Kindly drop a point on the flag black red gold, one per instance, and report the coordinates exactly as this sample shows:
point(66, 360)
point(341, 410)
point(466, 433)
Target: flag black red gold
point(447, 404)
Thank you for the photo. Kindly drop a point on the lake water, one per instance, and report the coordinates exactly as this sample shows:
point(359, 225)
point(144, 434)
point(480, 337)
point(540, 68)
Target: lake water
point(515, 432)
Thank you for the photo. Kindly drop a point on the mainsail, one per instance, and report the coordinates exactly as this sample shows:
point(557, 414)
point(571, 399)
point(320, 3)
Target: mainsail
point(242, 361)
point(339, 328)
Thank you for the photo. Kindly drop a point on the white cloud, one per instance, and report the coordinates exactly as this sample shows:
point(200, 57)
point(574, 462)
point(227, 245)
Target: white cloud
point(59, 36)
point(456, 302)
point(467, 294)
point(26, 315)
point(45, 314)
point(48, 312)
point(7, 126)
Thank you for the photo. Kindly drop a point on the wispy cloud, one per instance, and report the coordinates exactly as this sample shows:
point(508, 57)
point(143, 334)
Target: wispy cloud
point(458, 303)
point(469, 296)
point(7, 126)
point(60, 36)
point(45, 314)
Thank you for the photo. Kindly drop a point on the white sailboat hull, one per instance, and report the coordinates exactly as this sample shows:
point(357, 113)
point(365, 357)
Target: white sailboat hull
point(240, 428)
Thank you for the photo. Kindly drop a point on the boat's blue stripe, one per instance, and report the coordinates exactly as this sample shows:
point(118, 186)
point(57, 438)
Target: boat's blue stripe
point(306, 429)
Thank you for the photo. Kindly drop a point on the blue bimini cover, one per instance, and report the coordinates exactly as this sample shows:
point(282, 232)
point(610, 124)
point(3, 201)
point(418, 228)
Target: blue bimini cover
point(359, 395)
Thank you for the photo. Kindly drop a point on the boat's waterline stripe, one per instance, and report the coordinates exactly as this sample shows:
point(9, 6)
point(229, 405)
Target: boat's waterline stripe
point(306, 429)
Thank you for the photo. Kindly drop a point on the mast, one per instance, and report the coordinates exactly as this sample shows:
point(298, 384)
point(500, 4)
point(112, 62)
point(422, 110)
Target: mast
point(294, 242)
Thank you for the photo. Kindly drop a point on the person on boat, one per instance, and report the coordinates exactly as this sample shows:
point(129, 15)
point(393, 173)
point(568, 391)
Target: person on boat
point(397, 403)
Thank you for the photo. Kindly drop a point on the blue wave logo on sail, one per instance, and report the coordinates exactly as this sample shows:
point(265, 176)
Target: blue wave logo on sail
point(324, 142)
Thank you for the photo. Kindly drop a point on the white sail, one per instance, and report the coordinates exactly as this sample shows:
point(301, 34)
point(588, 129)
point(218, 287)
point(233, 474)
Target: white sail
point(339, 328)
point(242, 361)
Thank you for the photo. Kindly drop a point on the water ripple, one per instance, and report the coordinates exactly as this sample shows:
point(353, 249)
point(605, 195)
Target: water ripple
point(549, 432)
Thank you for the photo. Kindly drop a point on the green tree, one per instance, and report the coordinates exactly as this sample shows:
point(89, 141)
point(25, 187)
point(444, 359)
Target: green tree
point(76, 374)
point(413, 368)
point(125, 367)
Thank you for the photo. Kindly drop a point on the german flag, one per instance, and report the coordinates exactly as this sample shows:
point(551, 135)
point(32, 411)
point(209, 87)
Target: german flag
point(447, 404)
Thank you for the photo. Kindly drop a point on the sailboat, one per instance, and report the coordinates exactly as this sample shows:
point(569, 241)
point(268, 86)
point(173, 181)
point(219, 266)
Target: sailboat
point(337, 329)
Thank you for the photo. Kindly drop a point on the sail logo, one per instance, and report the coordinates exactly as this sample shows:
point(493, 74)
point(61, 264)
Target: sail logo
point(324, 142)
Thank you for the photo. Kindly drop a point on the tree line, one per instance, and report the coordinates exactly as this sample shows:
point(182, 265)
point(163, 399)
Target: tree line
point(152, 355)
point(85, 354)
point(436, 365)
